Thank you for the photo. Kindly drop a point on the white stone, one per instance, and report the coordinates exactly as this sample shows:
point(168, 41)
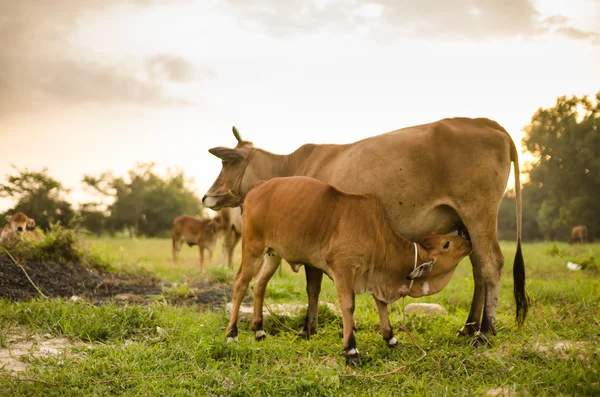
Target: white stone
point(425, 309)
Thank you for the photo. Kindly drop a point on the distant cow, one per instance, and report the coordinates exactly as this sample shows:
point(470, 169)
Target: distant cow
point(16, 229)
point(346, 236)
point(229, 220)
point(194, 231)
point(579, 234)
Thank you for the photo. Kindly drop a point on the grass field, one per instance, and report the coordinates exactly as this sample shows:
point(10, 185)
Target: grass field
point(168, 350)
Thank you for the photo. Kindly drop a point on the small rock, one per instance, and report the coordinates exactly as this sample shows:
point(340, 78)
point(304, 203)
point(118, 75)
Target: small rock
point(425, 309)
point(499, 392)
point(573, 266)
point(74, 298)
point(282, 309)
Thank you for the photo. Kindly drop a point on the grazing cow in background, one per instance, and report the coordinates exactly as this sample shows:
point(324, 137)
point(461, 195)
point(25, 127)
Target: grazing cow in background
point(346, 236)
point(195, 231)
point(229, 220)
point(16, 229)
point(432, 178)
point(579, 234)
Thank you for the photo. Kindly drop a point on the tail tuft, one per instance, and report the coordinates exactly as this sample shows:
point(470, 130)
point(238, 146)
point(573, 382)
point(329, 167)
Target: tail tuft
point(521, 298)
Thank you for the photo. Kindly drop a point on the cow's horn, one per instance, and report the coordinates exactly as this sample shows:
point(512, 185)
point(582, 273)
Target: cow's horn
point(236, 134)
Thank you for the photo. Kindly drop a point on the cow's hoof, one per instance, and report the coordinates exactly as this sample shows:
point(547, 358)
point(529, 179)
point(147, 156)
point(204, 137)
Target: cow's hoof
point(231, 339)
point(305, 334)
point(260, 335)
point(480, 340)
point(468, 330)
point(392, 343)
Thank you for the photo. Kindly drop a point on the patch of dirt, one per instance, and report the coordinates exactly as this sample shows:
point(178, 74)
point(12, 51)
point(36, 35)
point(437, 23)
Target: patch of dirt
point(57, 279)
point(20, 349)
point(282, 309)
point(562, 348)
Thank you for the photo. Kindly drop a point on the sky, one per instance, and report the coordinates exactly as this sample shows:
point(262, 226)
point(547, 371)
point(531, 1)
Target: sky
point(96, 85)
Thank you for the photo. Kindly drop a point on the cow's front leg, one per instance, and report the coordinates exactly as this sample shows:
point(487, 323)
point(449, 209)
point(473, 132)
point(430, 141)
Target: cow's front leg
point(314, 278)
point(268, 268)
point(384, 321)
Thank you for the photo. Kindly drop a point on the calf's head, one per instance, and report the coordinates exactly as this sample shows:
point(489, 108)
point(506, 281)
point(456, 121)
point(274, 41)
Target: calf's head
point(229, 188)
point(444, 253)
point(19, 222)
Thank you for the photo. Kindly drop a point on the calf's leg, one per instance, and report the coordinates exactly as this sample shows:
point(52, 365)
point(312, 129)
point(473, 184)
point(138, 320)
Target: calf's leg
point(384, 321)
point(268, 268)
point(242, 279)
point(343, 286)
point(176, 248)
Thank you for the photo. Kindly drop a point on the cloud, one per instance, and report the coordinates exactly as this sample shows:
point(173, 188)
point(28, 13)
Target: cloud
point(176, 69)
point(389, 19)
point(38, 68)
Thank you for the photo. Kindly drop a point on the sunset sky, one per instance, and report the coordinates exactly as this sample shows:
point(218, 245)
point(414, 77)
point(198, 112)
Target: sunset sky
point(88, 86)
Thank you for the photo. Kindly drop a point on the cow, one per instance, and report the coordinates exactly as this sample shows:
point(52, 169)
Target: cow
point(346, 236)
point(579, 234)
point(194, 230)
point(433, 178)
point(16, 230)
point(230, 222)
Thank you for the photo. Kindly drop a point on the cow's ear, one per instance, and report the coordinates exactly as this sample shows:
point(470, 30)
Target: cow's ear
point(31, 222)
point(225, 153)
point(8, 218)
point(421, 270)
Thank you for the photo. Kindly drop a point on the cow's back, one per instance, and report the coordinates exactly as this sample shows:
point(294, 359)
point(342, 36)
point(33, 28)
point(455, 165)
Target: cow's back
point(420, 173)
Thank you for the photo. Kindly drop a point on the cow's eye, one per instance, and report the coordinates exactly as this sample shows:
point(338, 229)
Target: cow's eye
point(447, 245)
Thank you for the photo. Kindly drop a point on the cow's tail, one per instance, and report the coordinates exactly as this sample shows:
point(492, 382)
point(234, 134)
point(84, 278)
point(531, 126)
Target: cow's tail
point(521, 298)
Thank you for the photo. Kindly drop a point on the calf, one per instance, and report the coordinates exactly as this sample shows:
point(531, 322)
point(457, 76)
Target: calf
point(346, 236)
point(194, 231)
point(16, 230)
point(579, 234)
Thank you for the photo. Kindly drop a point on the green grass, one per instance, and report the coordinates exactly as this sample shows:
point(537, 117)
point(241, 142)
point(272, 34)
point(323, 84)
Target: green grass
point(181, 351)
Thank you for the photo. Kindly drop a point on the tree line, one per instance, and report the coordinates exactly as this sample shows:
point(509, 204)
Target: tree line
point(143, 203)
point(561, 189)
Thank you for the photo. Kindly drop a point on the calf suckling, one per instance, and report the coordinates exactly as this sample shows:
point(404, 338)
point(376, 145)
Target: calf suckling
point(346, 236)
point(16, 230)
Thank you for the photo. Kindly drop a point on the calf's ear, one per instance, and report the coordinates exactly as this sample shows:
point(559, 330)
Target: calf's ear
point(8, 218)
point(31, 222)
point(421, 270)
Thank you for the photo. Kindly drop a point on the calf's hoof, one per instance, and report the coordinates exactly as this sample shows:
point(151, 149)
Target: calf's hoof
point(392, 343)
point(307, 334)
point(352, 357)
point(260, 335)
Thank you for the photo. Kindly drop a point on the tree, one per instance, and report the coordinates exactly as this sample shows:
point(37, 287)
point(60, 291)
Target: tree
point(39, 196)
point(145, 203)
point(565, 142)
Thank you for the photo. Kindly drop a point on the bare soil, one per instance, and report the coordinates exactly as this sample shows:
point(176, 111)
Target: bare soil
point(65, 280)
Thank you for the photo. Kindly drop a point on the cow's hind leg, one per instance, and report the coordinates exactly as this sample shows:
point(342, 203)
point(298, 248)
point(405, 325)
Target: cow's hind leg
point(242, 280)
point(270, 265)
point(473, 322)
point(489, 261)
point(314, 278)
point(384, 321)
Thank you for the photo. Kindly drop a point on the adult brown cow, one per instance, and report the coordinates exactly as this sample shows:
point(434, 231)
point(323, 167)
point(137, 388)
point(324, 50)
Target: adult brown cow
point(194, 230)
point(579, 234)
point(349, 238)
point(431, 178)
point(16, 230)
point(230, 222)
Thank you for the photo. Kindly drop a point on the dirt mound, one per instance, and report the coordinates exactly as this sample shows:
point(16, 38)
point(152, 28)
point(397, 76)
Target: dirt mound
point(56, 279)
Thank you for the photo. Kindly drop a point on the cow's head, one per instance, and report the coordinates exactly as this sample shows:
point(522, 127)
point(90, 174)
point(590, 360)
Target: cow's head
point(18, 223)
point(443, 253)
point(230, 187)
